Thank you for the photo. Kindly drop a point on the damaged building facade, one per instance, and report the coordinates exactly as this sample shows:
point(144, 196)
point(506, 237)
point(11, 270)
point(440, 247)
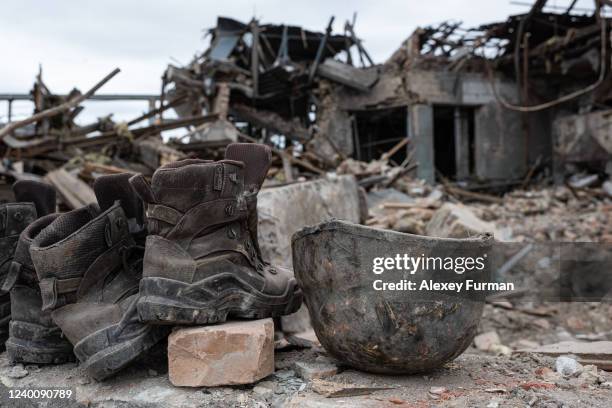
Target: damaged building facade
point(491, 106)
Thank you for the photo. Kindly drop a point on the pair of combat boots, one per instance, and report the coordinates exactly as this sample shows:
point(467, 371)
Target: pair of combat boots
point(201, 262)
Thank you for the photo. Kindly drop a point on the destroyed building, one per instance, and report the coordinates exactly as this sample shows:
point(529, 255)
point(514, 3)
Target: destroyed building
point(486, 106)
point(453, 110)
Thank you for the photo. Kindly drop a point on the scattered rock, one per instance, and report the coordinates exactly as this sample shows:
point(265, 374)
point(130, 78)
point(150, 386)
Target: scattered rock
point(485, 341)
point(83, 381)
point(547, 374)
point(409, 225)
point(226, 354)
point(590, 375)
point(607, 188)
point(264, 388)
point(457, 221)
point(568, 367)
point(17, 372)
point(437, 390)
point(500, 349)
point(541, 323)
point(583, 180)
point(310, 371)
point(494, 403)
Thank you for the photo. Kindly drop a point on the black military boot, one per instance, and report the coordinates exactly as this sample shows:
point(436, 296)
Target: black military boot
point(33, 337)
point(89, 267)
point(202, 262)
point(14, 218)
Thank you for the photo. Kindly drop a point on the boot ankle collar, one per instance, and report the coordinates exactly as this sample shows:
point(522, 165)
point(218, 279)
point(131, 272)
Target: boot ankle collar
point(22, 258)
point(56, 278)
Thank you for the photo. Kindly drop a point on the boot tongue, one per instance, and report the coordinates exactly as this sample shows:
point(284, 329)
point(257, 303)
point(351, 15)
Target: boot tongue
point(41, 194)
point(113, 187)
point(256, 158)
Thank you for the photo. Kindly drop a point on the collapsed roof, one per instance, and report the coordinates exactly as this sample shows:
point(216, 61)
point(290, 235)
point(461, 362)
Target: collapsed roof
point(269, 66)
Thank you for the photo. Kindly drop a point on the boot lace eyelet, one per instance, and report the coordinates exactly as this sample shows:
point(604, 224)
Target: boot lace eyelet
point(18, 216)
point(231, 233)
point(273, 271)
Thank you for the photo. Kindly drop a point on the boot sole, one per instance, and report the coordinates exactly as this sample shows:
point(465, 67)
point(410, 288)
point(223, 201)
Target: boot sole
point(32, 343)
point(110, 360)
point(167, 301)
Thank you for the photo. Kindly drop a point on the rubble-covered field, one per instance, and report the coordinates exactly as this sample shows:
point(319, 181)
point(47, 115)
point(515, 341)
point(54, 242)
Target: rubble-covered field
point(354, 140)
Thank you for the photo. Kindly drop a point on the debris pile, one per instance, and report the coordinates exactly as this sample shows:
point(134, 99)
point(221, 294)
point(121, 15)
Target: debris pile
point(503, 128)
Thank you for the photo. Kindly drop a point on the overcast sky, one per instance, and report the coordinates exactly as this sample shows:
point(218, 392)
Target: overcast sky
point(79, 42)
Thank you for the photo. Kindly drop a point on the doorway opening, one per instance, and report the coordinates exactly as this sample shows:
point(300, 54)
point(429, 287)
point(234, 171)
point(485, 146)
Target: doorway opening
point(454, 141)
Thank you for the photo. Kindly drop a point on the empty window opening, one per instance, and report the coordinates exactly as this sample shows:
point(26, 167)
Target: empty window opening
point(376, 131)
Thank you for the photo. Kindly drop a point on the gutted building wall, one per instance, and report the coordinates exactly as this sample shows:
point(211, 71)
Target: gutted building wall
point(505, 142)
point(582, 139)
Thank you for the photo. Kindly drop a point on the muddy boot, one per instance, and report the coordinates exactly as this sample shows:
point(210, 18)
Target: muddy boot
point(14, 218)
point(202, 262)
point(33, 337)
point(89, 267)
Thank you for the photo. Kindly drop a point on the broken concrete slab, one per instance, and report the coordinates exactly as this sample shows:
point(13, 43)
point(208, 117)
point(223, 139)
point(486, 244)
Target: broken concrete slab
point(356, 78)
point(597, 353)
point(377, 199)
point(226, 354)
point(316, 370)
point(284, 210)
point(457, 221)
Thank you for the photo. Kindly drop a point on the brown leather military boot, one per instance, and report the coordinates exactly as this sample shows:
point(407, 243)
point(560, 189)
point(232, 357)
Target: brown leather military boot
point(33, 336)
point(89, 267)
point(32, 198)
point(202, 262)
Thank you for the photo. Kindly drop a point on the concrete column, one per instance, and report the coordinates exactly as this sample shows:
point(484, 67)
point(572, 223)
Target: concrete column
point(462, 145)
point(422, 133)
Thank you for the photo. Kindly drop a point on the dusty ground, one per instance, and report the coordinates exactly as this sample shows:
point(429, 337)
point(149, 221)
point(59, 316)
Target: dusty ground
point(475, 379)
point(498, 378)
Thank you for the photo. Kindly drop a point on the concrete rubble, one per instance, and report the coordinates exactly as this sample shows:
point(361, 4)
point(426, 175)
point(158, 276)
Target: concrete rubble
point(457, 221)
point(435, 141)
